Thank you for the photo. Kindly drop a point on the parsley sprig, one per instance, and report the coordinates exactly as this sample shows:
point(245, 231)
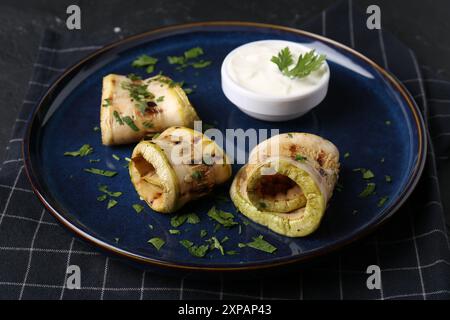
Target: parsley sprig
point(306, 63)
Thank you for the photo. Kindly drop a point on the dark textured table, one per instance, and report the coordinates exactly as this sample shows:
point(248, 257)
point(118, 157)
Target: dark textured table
point(422, 25)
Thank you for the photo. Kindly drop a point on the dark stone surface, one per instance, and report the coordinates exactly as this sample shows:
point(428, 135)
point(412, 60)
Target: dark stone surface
point(423, 25)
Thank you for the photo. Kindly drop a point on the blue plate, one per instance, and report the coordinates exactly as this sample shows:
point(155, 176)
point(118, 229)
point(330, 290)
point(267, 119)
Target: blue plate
point(366, 113)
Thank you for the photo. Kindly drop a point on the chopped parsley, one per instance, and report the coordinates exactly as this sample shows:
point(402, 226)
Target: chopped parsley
point(201, 64)
point(192, 218)
point(103, 188)
point(225, 219)
point(160, 99)
point(111, 203)
point(367, 174)
point(115, 157)
point(130, 123)
point(94, 160)
point(382, 201)
point(199, 251)
point(193, 53)
point(180, 219)
point(133, 77)
point(157, 242)
point(346, 155)
point(175, 60)
point(145, 61)
point(196, 251)
point(388, 178)
point(300, 158)
point(106, 102)
point(150, 68)
point(101, 172)
point(139, 94)
point(231, 252)
point(215, 244)
point(96, 128)
point(147, 124)
point(203, 233)
point(138, 208)
point(117, 117)
point(185, 60)
point(102, 197)
point(368, 191)
point(174, 231)
point(388, 122)
point(259, 243)
point(186, 243)
point(106, 193)
point(82, 152)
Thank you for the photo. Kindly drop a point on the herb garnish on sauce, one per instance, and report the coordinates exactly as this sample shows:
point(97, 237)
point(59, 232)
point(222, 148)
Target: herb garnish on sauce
point(306, 63)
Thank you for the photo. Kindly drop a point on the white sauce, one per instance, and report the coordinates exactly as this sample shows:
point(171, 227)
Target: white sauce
point(251, 68)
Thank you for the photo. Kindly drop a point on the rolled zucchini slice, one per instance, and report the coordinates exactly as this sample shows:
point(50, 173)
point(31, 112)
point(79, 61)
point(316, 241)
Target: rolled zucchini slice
point(133, 108)
point(176, 167)
point(287, 183)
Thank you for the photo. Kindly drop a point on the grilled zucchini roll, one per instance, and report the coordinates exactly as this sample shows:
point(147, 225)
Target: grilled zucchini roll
point(178, 166)
point(287, 183)
point(133, 108)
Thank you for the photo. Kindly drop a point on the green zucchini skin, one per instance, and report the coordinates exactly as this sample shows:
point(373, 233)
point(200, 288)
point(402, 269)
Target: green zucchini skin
point(178, 166)
point(306, 161)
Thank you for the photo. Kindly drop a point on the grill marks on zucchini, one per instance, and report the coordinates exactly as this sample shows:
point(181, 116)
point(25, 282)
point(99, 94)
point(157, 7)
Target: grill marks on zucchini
point(139, 107)
point(159, 168)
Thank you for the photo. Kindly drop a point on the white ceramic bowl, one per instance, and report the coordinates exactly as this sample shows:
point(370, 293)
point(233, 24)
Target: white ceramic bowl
point(269, 107)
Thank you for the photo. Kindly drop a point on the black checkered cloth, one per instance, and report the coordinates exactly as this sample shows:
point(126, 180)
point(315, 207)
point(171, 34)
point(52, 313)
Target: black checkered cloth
point(412, 249)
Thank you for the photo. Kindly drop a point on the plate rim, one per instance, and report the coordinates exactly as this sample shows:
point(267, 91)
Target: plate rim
point(186, 27)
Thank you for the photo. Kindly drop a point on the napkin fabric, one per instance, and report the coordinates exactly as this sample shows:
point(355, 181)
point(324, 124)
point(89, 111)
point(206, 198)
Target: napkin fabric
point(412, 249)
